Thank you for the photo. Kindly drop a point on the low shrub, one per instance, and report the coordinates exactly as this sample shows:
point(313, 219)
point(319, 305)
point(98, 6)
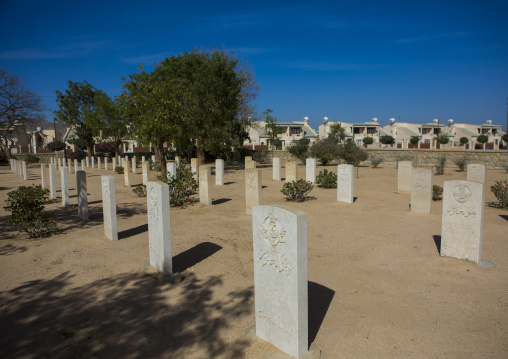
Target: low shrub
point(437, 192)
point(78, 155)
point(376, 161)
point(140, 190)
point(461, 162)
point(181, 187)
point(119, 170)
point(500, 190)
point(440, 166)
point(297, 190)
point(31, 159)
point(325, 151)
point(368, 140)
point(27, 210)
point(352, 154)
point(463, 141)
point(56, 146)
point(326, 179)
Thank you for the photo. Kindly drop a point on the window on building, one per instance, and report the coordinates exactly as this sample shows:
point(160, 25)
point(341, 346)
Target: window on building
point(294, 131)
point(436, 131)
point(478, 130)
point(371, 130)
point(419, 130)
point(427, 141)
point(356, 130)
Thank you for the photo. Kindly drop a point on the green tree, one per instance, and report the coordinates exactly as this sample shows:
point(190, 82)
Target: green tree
point(464, 140)
point(368, 140)
point(77, 109)
point(325, 151)
point(352, 154)
point(300, 149)
point(109, 117)
point(443, 138)
point(483, 139)
point(56, 146)
point(271, 128)
point(505, 137)
point(387, 140)
point(337, 133)
point(414, 140)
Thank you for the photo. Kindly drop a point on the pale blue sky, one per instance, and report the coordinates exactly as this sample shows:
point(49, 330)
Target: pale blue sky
point(347, 60)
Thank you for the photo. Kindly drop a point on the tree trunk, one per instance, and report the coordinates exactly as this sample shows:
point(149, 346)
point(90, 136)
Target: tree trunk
point(159, 153)
point(200, 149)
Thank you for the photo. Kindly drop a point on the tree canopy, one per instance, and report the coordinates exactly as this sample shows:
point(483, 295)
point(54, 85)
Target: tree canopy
point(19, 106)
point(337, 133)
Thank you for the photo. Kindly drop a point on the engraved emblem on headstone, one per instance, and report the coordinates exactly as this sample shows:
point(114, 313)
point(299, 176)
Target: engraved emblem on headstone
point(461, 193)
point(272, 231)
point(251, 179)
point(274, 234)
point(154, 212)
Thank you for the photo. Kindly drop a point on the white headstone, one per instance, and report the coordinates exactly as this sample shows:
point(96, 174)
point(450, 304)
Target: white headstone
point(114, 163)
point(25, 177)
point(194, 168)
point(59, 164)
point(462, 221)
point(476, 173)
point(291, 171)
point(69, 165)
point(310, 170)
point(143, 159)
point(159, 227)
point(126, 173)
point(248, 158)
point(82, 195)
point(153, 159)
point(133, 164)
point(146, 172)
point(87, 161)
point(205, 185)
point(52, 181)
point(106, 162)
point(404, 176)
point(280, 277)
point(250, 164)
point(345, 183)
point(99, 162)
point(64, 184)
point(277, 169)
point(83, 165)
point(219, 172)
point(76, 166)
point(171, 169)
point(421, 190)
point(93, 162)
point(109, 207)
point(253, 186)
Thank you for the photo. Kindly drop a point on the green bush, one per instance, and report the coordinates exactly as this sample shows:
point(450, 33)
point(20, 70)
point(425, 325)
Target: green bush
point(352, 154)
point(443, 138)
point(300, 149)
point(440, 166)
point(505, 137)
point(326, 179)
point(368, 140)
point(414, 140)
point(27, 210)
point(140, 190)
point(56, 146)
point(297, 190)
point(325, 151)
point(31, 159)
point(437, 192)
point(461, 162)
point(387, 140)
point(464, 140)
point(119, 170)
point(500, 190)
point(483, 139)
point(182, 187)
point(376, 161)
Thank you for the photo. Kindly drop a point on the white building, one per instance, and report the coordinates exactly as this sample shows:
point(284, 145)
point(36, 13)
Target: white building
point(292, 131)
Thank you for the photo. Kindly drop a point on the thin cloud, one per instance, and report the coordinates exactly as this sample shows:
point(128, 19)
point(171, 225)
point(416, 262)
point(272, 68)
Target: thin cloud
point(325, 66)
point(144, 59)
point(429, 37)
point(66, 51)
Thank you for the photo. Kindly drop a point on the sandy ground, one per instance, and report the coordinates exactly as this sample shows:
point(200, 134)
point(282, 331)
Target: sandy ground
point(378, 287)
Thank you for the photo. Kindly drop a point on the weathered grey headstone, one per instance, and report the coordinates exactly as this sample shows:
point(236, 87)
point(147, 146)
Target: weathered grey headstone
point(253, 185)
point(194, 168)
point(69, 165)
point(114, 163)
point(76, 166)
point(159, 227)
point(106, 162)
point(83, 165)
point(462, 220)
point(99, 162)
point(109, 207)
point(25, 177)
point(219, 172)
point(59, 164)
point(171, 169)
point(146, 172)
point(248, 158)
point(280, 277)
point(277, 169)
point(421, 190)
point(476, 173)
point(64, 184)
point(133, 164)
point(404, 176)
point(310, 170)
point(250, 164)
point(87, 161)
point(291, 171)
point(52, 181)
point(345, 183)
point(82, 195)
point(126, 173)
point(205, 185)
point(93, 162)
